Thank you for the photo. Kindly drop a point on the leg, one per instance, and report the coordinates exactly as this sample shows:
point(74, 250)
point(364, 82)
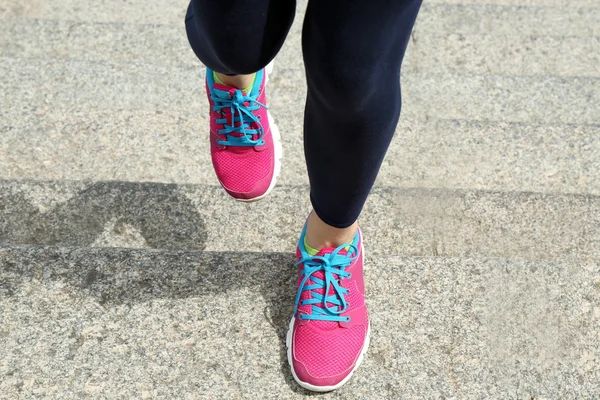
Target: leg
point(352, 52)
point(236, 39)
point(238, 36)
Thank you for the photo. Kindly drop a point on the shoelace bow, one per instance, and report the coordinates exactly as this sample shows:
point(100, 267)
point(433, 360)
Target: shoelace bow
point(333, 266)
point(242, 114)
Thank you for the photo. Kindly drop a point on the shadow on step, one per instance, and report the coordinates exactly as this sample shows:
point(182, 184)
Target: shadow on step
point(110, 214)
point(115, 277)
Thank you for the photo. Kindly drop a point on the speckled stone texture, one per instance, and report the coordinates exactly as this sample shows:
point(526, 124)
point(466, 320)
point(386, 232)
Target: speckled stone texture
point(496, 97)
point(143, 324)
point(422, 222)
point(127, 273)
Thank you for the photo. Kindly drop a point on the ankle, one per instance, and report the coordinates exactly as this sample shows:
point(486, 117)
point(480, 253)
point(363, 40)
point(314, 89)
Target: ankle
point(237, 81)
point(320, 235)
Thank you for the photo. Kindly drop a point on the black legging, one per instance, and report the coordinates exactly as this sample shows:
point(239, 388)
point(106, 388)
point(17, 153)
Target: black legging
point(353, 52)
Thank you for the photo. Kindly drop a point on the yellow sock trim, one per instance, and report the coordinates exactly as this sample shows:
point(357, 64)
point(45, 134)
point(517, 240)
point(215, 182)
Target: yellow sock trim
point(245, 90)
point(217, 79)
point(310, 250)
point(249, 88)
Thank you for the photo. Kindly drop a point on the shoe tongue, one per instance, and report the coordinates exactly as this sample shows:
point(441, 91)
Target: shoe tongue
point(325, 325)
point(226, 92)
point(325, 251)
point(328, 250)
point(223, 91)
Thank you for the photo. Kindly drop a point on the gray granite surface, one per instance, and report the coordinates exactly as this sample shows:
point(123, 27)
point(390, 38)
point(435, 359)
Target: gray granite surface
point(173, 147)
point(448, 48)
point(127, 273)
point(448, 223)
point(86, 86)
point(110, 323)
point(520, 3)
point(511, 17)
point(519, 17)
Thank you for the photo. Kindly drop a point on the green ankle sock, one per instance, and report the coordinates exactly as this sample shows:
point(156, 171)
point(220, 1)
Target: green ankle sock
point(245, 90)
point(310, 250)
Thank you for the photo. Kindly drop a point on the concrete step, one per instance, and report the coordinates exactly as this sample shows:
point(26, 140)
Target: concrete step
point(173, 147)
point(421, 222)
point(510, 17)
point(167, 324)
point(445, 48)
point(152, 11)
point(519, 17)
point(504, 55)
point(536, 3)
point(84, 86)
point(482, 237)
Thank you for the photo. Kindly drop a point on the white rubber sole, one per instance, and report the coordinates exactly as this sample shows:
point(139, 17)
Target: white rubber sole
point(363, 351)
point(278, 157)
point(276, 142)
point(269, 68)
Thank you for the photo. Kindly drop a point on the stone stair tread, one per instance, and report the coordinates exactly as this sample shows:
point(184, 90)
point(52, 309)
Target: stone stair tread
point(172, 146)
point(490, 51)
point(396, 221)
point(566, 4)
point(136, 324)
point(84, 86)
point(481, 235)
point(522, 17)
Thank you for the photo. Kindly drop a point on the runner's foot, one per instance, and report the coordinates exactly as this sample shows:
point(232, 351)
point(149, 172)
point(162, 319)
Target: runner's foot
point(329, 331)
point(245, 143)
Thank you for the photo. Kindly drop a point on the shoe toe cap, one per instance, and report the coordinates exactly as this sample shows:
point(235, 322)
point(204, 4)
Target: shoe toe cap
point(327, 359)
point(305, 377)
point(260, 188)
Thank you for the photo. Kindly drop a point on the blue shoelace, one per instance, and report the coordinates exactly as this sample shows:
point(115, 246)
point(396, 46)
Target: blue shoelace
point(333, 266)
point(240, 113)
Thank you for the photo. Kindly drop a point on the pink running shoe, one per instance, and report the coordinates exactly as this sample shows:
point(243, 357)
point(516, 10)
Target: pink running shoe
point(244, 141)
point(329, 331)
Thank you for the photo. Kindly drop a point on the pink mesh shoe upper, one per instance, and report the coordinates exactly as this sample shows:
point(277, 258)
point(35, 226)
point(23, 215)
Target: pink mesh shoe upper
point(328, 355)
point(240, 169)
